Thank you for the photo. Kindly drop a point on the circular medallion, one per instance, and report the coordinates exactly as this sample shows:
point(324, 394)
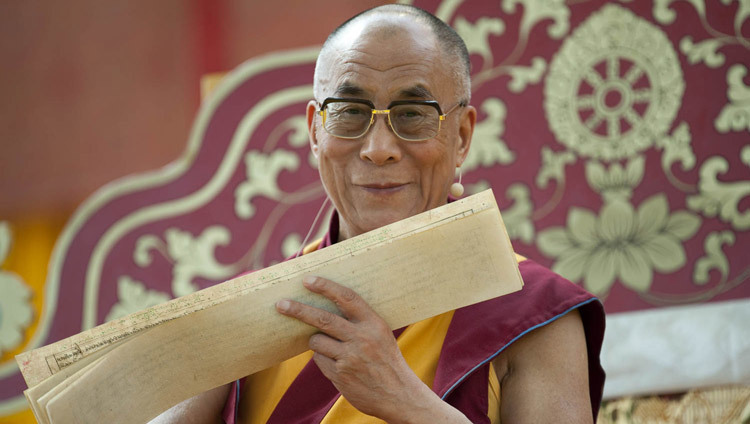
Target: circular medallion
point(614, 86)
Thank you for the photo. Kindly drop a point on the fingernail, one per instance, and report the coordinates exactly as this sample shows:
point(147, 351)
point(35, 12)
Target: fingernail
point(283, 305)
point(309, 280)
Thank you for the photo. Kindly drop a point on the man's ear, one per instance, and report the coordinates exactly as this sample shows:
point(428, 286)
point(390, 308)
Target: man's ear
point(466, 124)
point(312, 110)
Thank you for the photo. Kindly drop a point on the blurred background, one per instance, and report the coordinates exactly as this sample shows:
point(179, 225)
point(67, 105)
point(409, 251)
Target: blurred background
point(94, 91)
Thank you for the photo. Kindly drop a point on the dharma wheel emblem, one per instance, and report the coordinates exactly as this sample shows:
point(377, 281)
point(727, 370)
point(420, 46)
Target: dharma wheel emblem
point(614, 87)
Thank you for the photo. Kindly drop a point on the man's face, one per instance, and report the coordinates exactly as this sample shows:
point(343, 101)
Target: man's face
point(379, 178)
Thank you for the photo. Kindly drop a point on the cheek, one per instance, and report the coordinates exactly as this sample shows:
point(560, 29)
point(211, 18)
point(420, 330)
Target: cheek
point(435, 164)
point(333, 159)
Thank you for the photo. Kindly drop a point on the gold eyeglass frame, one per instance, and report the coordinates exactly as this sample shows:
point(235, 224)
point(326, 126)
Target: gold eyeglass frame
point(441, 116)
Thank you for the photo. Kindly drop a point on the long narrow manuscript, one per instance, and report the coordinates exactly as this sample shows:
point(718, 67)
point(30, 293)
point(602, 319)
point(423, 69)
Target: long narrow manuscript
point(132, 369)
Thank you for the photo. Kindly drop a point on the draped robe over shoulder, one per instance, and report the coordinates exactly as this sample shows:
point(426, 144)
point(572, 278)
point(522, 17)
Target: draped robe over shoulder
point(451, 353)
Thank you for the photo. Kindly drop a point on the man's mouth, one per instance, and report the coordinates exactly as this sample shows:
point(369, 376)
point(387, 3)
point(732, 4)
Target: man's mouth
point(382, 187)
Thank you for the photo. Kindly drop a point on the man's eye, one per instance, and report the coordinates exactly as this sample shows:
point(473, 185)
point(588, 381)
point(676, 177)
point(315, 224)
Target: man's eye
point(348, 111)
point(410, 114)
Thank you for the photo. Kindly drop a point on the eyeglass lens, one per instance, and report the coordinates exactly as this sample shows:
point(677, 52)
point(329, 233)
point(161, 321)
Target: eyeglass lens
point(409, 121)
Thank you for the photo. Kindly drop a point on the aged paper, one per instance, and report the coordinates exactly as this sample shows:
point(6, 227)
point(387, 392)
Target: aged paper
point(440, 260)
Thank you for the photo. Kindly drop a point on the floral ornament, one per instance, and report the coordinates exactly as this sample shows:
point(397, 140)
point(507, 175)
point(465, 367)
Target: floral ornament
point(517, 217)
point(192, 256)
point(720, 198)
point(743, 12)
point(537, 10)
point(487, 146)
point(262, 175)
point(299, 136)
point(620, 243)
point(665, 16)
point(476, 36)
point(296, 128)
point(715, 257)
point(735, 116)
point(134, 296)
point(521, 76)
point(704, 51)
point(15, 310)
point(677, 148)
point(553, 166)
point(615, 183)
point(614, 87)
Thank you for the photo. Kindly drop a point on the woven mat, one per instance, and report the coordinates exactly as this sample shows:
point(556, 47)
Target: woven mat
point(728, 404)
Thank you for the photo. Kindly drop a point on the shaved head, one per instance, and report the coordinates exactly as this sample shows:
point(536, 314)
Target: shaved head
point(386, 20)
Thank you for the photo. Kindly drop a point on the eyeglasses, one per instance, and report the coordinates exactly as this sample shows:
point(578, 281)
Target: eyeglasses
point(410, 120)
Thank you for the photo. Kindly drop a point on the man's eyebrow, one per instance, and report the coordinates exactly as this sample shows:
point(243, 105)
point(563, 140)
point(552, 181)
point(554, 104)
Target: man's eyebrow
point(349, 89)
point(417, 91)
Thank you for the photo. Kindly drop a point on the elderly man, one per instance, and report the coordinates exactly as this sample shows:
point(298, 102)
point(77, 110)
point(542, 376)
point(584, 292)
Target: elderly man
point(531, 356)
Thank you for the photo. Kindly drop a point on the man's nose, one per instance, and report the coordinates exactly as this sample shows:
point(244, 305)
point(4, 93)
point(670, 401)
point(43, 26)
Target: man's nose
point(380, 145)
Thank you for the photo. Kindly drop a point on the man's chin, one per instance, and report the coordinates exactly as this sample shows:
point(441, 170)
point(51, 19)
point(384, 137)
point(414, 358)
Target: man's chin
point(374, 221)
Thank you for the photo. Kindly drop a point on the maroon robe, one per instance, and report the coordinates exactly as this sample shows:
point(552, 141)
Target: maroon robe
point(476, 335)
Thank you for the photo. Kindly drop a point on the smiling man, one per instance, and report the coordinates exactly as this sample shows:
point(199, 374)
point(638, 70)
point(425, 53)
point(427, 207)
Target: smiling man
point(389, 125)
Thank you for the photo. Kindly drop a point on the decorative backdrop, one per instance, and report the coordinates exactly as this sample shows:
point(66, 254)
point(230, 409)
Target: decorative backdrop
point(616, 136)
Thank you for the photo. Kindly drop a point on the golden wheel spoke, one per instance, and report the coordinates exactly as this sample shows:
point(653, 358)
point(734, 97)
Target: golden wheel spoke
point(642, 95)
point(633, 74)
point(631, 117)
point(585, 102)
point(593, 78)
point(613, 68)
point(613, 126)
point(593, 121)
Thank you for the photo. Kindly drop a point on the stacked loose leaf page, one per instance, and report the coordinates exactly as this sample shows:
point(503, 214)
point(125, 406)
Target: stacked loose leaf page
point(131, 369)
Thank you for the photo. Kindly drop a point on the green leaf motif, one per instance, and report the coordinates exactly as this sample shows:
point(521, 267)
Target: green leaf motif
point(487, 147)
point(621, 243)
point(521, 76)
point(664, 15)
point(735, 115)
point(554, 242)
point(745, 155)
point(194, 256)
point(553, 166)
point(615, 183)
point(299, 135)
point(477, 187)
point(683, 225)
point(704, 51)
point(535, 11)
point(517, 218)
point(714, 258)
point(262, 172)
point(677, 147)
point(718, 197)
point(476, 36)
point(133, 296)
point(743, 11)
point(15, 310)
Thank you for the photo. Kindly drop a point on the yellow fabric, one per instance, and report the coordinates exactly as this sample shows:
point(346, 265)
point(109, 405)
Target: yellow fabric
point(493, 403)
point(312, 246)
point(420, 344)
point(263, 390)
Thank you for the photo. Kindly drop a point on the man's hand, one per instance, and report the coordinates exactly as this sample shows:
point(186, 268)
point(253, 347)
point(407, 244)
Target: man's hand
point(359, 354)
